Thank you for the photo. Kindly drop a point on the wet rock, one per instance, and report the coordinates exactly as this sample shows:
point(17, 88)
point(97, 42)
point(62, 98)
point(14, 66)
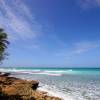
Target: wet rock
point(18, 89)
point(4, 74)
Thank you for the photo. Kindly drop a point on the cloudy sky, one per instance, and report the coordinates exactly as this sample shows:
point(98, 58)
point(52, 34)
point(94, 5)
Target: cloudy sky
point(51, 33)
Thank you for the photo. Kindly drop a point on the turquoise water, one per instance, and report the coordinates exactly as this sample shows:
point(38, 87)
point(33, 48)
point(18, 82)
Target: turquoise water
point(57, 70)
point(67, 83)
point(68, 70)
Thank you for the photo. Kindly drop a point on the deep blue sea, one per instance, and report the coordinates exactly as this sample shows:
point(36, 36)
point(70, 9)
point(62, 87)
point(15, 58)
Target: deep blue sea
point(67, 83)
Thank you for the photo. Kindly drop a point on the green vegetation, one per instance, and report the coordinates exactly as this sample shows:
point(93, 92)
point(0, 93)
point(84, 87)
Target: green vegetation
point(3, 45)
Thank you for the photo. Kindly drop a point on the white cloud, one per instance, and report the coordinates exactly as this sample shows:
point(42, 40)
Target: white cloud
point(78, 48)
point(17, 19)
point(82, 47)
point(89, 3)
point(31, 47)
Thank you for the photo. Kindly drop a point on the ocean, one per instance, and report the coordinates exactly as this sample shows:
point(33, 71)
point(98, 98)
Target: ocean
point(67, 83)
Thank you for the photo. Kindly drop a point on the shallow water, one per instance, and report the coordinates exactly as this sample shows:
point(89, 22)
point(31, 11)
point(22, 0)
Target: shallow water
point(70, 84)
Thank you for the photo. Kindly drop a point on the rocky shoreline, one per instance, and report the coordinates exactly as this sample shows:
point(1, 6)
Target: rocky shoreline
point(12, 88)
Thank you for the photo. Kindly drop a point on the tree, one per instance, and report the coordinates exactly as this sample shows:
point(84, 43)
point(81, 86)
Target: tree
point(3, 45)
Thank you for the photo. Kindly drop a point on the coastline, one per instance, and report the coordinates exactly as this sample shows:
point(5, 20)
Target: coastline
point(56, 94)
point(12, 88)
point(71, 85)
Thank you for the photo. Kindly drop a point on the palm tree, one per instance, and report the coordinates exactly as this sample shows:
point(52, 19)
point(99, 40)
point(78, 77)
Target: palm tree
point(3, 44)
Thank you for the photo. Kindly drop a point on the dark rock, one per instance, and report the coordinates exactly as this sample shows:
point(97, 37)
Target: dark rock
point(4, 74)
point(12, 88)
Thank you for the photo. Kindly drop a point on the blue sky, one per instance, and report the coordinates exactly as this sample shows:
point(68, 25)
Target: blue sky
point(51, 33)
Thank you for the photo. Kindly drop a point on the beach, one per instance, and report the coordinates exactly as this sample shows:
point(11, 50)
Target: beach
point(49, 49)
point(68, 84)
point(12, 88)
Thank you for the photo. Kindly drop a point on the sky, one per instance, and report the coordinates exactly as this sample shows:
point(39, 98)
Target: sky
point(52, 33)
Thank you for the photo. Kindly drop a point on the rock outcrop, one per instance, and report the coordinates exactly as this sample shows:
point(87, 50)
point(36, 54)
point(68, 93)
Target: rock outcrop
point(18, 89)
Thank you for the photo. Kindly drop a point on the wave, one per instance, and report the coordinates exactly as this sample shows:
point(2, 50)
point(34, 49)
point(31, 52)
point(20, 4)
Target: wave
point(55, 93)
point(50, 72)
point(17, 70)
point(30, 71)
